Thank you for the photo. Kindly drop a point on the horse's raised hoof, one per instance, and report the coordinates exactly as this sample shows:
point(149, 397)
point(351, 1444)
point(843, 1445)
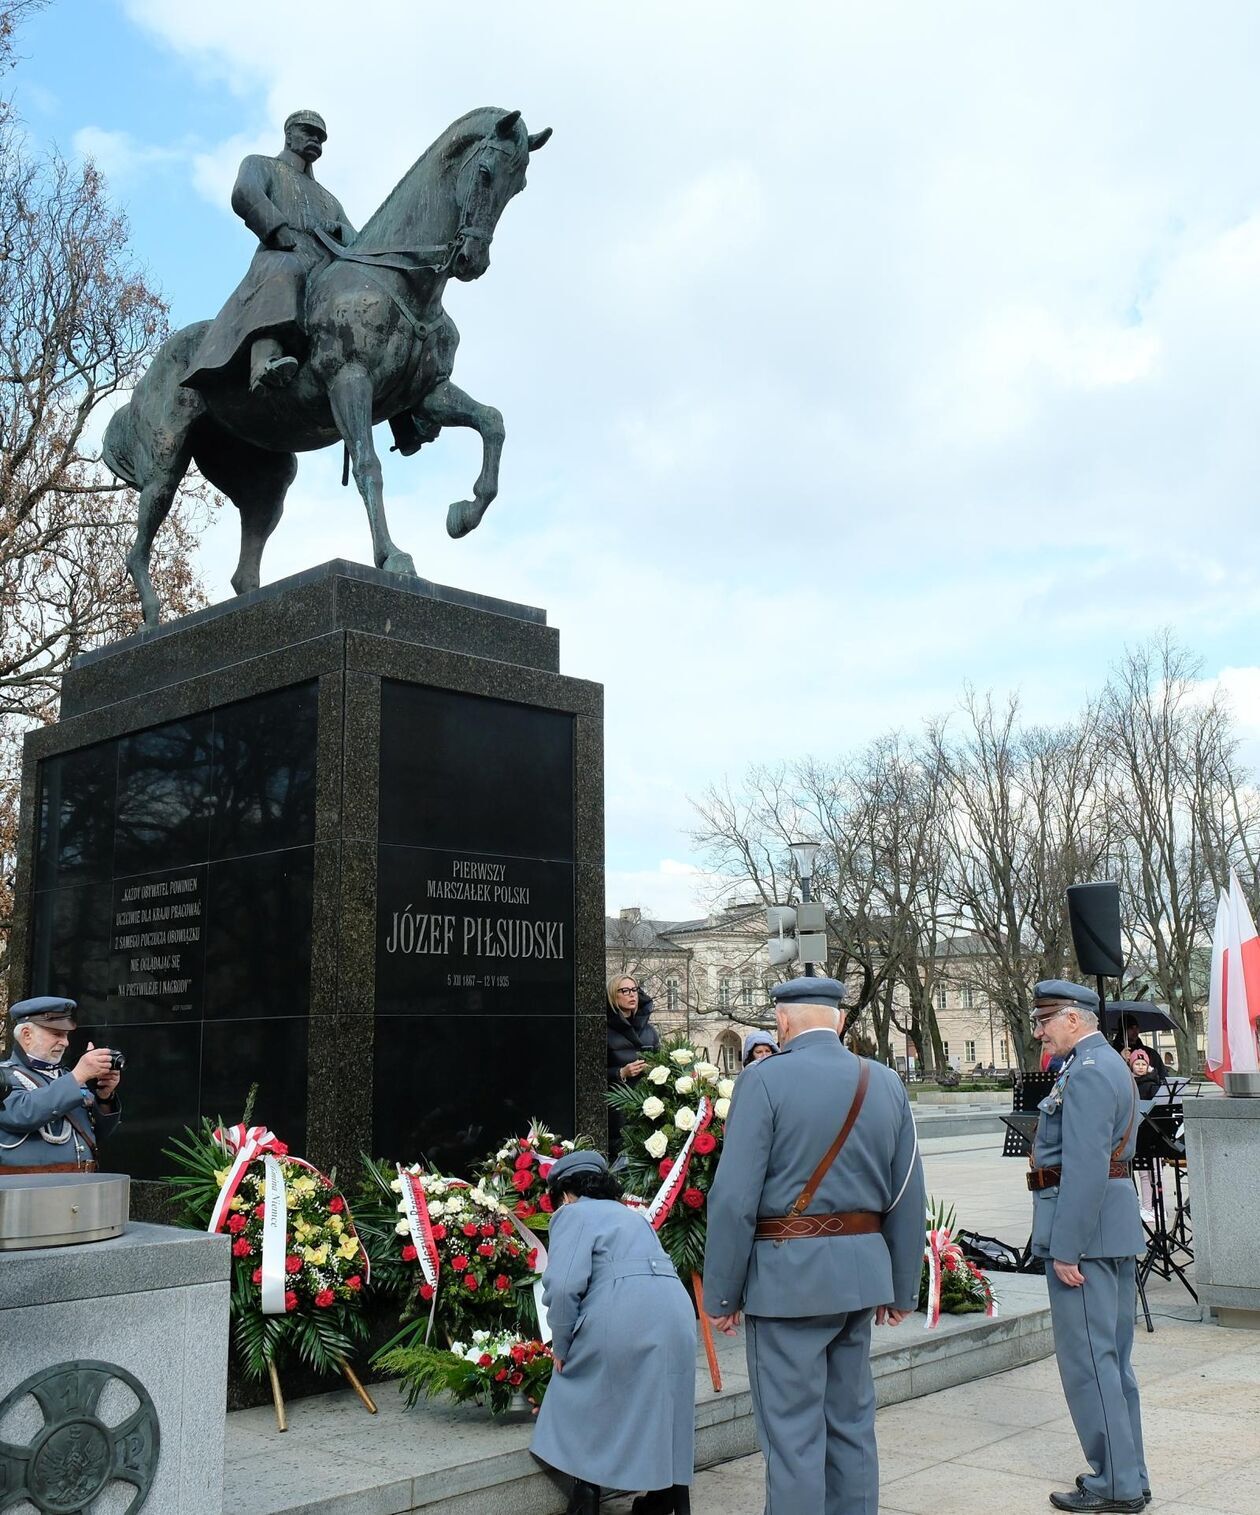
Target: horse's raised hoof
point(399, 562)
point(462, 517)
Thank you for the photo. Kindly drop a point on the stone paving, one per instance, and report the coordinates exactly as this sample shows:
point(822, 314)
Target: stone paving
point(998, 1445)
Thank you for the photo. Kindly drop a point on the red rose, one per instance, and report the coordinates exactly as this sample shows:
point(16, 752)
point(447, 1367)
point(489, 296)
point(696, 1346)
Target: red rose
point(500, 1375)
point(545, 1204)
point(543, 1169)
point(240, 1247)
point(557, 1151)
point(260, 1211)
point(502, 1282)
point(290, 1300)
point(278, 1149)
point(439, 1231)
point(523, 1144)
point(513, 1250)
point(324, 1298)
point(523, 1209)
point(487, 1230)
point(354, 1282)
point(236, 1224)
point(693, 1197)
point(666, 1164)
point(486, 1249)
point(336, 1205)
point(460, 1263)
point(409, 1253)
point(293, 1265)
point(517, 1353)
point(522, 1181)
point(484, 1360)
point(470, 1280)
point(506, 1228)
point(468, 1228)
point(705, 1143)
point(516, 1379)
point(532, 1259)
point(258, 1275)
point(525, 1160)
point(426, 1291)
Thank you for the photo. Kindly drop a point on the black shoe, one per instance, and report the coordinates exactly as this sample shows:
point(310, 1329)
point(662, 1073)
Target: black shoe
point(584, 1500)
point(1084, 1503)
point(654, 1502)
point(682, 1499)
point(1080, 1484)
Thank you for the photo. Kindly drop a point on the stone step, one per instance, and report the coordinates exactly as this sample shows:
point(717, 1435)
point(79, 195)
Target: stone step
point(446, 1459)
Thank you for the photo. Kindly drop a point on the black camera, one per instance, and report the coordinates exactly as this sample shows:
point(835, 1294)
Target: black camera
point(117, 1062)
point(9, 1083)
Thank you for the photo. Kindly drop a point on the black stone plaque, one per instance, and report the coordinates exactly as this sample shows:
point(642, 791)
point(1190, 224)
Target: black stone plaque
point(448, 1089)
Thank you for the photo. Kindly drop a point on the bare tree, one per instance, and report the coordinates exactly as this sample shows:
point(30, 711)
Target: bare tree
point(1183, 813)
point(78, 323)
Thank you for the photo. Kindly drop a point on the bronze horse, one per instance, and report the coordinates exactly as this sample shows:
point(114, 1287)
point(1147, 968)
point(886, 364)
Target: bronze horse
point(380, 345)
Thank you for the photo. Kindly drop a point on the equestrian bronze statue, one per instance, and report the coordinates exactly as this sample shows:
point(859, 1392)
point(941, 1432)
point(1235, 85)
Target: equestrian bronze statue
point(330, 332)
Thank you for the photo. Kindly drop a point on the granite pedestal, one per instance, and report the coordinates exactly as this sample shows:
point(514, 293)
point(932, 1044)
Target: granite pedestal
point(113, 1372)
point(1223, 1169)
point(341, 838)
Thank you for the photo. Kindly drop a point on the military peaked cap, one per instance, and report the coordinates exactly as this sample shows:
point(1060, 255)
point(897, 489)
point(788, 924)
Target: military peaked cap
point(577, 1162)
point(809, 991)
point(46, 1010)
point(307, 118)
point(1062, 989)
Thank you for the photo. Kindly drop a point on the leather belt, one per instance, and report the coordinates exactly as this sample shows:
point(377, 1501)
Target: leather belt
point(1047, 1178)
point(838, 1223)
point(50, 1168)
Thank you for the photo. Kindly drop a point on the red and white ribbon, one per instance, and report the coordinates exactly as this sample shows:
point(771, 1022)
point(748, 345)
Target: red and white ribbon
point(275, 1244)
point(247, 1143)
point(656, 1212)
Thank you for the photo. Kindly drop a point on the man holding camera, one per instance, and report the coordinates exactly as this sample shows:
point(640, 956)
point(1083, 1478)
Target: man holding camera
point(53, 1117)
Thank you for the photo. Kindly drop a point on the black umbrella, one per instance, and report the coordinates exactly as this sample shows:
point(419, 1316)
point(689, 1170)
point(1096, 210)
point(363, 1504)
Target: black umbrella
point(1138, 1012)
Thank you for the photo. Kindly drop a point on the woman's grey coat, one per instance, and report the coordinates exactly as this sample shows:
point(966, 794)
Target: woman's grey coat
point(622, 1413)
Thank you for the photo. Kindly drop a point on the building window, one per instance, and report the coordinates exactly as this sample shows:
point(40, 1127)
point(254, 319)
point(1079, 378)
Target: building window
point(1006, 1056)
point(945, 1051)
point(970, 1051)
point(728, 1053)
point(746, 993)
point(968, 997)
point(724, 992)
point(942, 995)
point(671, 994)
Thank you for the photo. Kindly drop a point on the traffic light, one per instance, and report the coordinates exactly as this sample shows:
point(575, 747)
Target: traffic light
point(798, 934)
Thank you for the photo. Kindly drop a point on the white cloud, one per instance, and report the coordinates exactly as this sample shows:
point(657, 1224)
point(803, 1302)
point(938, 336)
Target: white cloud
point(119, 156)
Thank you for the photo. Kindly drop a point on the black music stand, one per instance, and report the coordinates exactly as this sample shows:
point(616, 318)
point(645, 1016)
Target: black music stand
point(1160, 1143)
point(1021, 1127)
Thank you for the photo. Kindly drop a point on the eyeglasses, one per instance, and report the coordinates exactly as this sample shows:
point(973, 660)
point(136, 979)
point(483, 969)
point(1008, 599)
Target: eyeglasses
point(1040, 1020)
point(627, 991)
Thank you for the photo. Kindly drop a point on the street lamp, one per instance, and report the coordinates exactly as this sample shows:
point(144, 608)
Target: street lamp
point(803, 854)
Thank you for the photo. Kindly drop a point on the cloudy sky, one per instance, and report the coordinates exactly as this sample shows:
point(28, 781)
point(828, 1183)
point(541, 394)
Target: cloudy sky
point(848, 351)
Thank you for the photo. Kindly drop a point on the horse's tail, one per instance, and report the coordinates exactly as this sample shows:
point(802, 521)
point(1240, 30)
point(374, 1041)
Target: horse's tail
point(118, 447)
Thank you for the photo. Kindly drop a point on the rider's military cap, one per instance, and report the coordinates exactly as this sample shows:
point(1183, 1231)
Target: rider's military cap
point(577, 1162)
point(46, 1010)
point(307, 118)
point(809, 991)
point(1062, 990)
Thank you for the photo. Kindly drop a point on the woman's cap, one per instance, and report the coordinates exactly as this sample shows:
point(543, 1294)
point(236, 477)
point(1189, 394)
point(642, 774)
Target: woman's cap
point(577, 1162)
point(757, 1039)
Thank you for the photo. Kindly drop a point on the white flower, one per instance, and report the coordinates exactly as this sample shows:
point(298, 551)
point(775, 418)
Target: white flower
point(656, 1144)
point(458, 1348)
point(653, 1108)
point(705, 1070)
point(682, 1056)
point(401, 1207)
point(396, 1185)
point(567, 1145)
point(481, 1336)
point(436, 1207)
point(503, 1153)
point(685, 1119)
point(480, 1197)
point(726, 1087)
point(403, 1228)
point(722, 1109)
point(658, 1075)
point(684, 1085)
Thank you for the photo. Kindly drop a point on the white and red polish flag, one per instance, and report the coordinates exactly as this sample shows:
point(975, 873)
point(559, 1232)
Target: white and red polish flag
point(1234, 993)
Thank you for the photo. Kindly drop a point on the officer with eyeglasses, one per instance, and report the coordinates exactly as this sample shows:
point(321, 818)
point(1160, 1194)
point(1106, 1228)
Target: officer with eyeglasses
point(1086, 1226)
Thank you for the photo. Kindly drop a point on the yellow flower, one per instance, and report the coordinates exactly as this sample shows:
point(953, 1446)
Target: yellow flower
point(334, 1224)
point(316, 1256)
point(236, 1203)
point(349, 1247)
point(291, 1200)
point(304, 1185)
point(220, 1176)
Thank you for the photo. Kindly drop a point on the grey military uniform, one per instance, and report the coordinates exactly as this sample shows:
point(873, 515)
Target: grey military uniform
point(1092, 1221)
point(810, 1301)
point(51, 1120)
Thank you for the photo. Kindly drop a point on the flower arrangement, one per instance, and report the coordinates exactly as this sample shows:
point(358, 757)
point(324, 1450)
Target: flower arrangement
point(469, 1268)
point(492, 1368)
point(298, 1278)
point(517, 1172)
point(672, 1123)
point(950, 1283)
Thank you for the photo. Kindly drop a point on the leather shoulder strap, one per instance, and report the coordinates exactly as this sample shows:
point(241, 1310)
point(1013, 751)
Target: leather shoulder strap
point(1124, 1140)
point(816, 1177)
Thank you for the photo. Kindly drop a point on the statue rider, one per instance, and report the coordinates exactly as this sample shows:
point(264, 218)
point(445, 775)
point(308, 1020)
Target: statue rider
point(293, 216)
